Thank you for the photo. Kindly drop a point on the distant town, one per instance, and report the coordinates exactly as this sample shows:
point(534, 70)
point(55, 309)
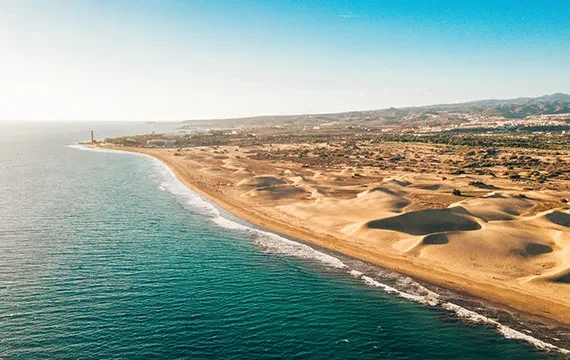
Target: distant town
point(542, 122)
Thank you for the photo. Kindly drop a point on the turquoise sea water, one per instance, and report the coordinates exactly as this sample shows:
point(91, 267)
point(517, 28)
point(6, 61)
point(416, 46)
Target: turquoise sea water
point(105, 255)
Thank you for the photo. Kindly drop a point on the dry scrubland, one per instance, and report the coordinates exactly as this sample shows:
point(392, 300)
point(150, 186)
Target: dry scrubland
point(505, 237)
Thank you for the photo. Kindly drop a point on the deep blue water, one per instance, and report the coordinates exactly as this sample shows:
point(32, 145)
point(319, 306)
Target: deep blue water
point(105, 255)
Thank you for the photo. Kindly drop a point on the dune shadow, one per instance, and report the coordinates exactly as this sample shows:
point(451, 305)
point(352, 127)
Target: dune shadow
point(402, 183)
point(281, 192)
point(431, 187)
point(565, 279)
point(532, 249)
point(261, 181)
point(400, 204)
point(435, 239)
point(537, 249)
point(559, 218)
point(424, 222)
point(385, 190)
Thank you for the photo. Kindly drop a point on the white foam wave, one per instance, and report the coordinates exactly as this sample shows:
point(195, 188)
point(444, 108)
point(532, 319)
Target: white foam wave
point(79, 147)
point(433, 299)
point(426, 300)
point(87, 147)
point(463, 313)
point(274, 243)
point(506, 331)
point(188, 198)
point(509, 333)
point(271, 242)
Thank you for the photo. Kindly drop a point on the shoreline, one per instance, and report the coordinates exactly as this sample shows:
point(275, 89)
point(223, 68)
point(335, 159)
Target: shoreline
point(531, 307)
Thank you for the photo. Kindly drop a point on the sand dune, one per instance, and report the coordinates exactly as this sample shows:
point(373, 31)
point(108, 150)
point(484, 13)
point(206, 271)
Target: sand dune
point(564, 279)
point(243, 172)
point(261, 181)
point(432, 187)
point(497, 207)
point(424, 222)
point(397, 181)
point(495, 251)
point(382, 189)
point(558, 218)
point(280, 192)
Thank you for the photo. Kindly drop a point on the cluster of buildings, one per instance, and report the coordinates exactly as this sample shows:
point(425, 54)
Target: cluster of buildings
point(481, 121)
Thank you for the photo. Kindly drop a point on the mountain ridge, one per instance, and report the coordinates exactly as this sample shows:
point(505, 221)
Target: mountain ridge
point(518, 108)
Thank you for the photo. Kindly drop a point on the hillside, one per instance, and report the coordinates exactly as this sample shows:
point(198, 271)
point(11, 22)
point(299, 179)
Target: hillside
point(431, 115)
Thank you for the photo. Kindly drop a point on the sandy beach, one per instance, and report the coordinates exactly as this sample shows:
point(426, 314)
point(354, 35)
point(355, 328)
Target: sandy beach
point(500, 242)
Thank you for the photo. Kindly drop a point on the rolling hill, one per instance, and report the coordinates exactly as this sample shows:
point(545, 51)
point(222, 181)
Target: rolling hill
point(520, 108)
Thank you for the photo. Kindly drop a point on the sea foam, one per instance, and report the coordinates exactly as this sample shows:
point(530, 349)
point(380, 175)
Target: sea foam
point(269, 241)
point(277, 244)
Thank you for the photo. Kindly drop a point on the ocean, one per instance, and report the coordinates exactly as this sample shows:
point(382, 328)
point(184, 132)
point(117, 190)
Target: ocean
point(106, 255)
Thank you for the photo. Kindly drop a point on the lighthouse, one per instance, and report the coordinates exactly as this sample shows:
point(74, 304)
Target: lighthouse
point(92, 138)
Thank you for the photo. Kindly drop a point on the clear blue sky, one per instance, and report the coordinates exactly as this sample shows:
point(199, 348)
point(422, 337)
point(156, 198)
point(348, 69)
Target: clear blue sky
point(176, 60)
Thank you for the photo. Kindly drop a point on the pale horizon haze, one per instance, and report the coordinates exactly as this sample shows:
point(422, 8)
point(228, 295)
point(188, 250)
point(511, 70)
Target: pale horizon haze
point(179, 60)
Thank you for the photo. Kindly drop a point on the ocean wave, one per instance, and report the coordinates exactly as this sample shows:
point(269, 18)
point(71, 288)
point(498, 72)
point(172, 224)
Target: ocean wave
point(80, 147)
point(187, 198)
point(428, 297)
point(269, 241)
point(87, 147)
point(274, 243)
point(506, 331)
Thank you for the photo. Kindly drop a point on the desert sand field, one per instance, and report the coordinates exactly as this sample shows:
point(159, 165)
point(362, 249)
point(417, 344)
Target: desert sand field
point(502, 240)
